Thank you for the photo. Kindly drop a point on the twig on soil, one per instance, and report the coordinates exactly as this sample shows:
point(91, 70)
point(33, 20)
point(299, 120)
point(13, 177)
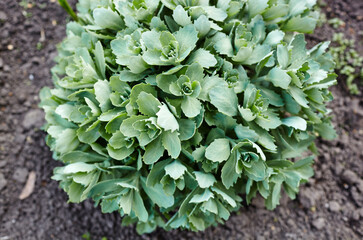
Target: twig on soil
point(29, 186)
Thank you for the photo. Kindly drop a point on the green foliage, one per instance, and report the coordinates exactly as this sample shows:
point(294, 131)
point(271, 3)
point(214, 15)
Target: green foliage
point(348, 61)
point(168, 112)
point(68, 8)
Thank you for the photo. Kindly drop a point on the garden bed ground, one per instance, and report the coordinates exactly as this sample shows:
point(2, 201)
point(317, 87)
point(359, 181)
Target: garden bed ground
point(330, 206)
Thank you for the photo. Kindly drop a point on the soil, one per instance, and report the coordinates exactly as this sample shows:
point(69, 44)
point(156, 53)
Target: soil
point(329, 206)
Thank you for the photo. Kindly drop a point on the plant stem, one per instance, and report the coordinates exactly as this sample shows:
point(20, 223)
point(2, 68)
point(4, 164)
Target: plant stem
point(68, 8)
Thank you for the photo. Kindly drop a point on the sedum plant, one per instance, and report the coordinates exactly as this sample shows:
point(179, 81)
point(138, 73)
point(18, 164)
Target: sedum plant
point(172, 112)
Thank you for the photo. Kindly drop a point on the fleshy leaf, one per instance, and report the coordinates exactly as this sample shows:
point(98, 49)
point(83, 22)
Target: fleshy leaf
point(166, 119)
point(205, 180)
point(219, 150)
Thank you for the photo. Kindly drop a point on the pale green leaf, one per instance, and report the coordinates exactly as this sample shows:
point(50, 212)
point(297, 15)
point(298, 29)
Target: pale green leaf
point(295, 122)
point(191, 107)
point(100, 59)
point(219, 150)
point(224, 99)
point(78, 167)
point(203, 197)
point(106, 18)
point(256, 7)
point(148, 104)
point(203, 57)
point(175, 169)
point(171, 142)
point(181, 16)
point(166, 119)
point(205, 180)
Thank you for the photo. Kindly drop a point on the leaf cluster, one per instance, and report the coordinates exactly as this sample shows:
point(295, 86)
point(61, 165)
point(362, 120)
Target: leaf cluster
point(170, 111)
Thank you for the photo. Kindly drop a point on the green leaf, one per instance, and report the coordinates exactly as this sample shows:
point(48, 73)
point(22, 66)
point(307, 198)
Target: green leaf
point(225, 196)
point(299, 96)
point(204, 197)
point(65, 110)
point(119, 154)
point(202, 25)
point(256, 7)
point(243, 54)
point(181, 16)
point(100, 59)
point(137, 89)
point(127, 126)
point(157, 195)
point(274, 37)
point(191, 106)
point(219, 150)
point(246, 133)
point(79, 156)
point(224, 99)
point(78, 167)
point(274, 197)
point(175, 169)
point(187, 129)
point(75, 191)
point(295, 122)
point(258, 53)
point(153, 151)
point(106, 18)
point(298, 52)
point(247, 114)
point(276, 11)
point(215, 13)
point(205, 180)
point(229, 175)
point(257, 171)
point(269, 120)
point(326, 131)
point(265, 139)
point(224, 46)
point(196, 222)
point(171, 142)
point(203, 57)
point(89, 136)
point(301, 24)
point(279, 78)
point(187, 38)
point(157, 172)
point(66, 141)
point(148, 104)
point(166, 119)
point(283, 56)
point(139, 207)
point(102, 92)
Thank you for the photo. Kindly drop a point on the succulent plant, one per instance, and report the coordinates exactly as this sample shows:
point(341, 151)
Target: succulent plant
point(172, 112)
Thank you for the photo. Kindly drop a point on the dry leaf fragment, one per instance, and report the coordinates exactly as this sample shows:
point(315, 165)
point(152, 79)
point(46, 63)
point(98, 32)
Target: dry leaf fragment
point(29, 186)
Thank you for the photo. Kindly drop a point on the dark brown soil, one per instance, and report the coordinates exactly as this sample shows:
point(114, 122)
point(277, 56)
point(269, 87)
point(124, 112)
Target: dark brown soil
point(330, 206)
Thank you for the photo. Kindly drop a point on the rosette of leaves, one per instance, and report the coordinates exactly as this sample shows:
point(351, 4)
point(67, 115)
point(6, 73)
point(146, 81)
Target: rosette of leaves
point(172, 112)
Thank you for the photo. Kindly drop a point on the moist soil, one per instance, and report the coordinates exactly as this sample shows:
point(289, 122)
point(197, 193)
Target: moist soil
point(329, 206)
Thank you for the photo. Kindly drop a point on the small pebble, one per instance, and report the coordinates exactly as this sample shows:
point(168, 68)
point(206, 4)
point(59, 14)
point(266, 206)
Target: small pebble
point(3, 181)
point(334, 206)
point(33, 118)
point(20, 175)
point(319, 223)
point(355, 215)
point(349, 177)
point(3, 16)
